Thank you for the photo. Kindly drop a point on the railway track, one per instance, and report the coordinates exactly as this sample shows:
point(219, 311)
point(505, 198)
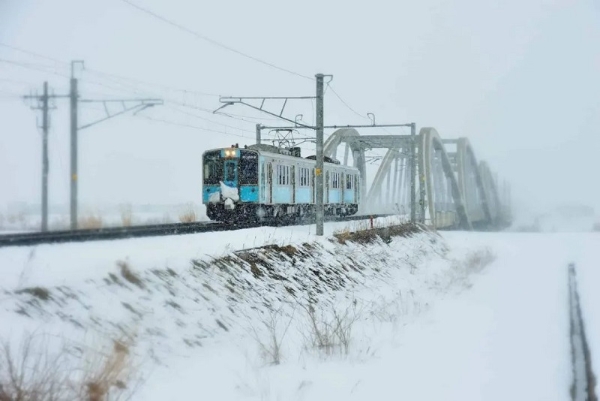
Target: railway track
point(156, 230)
point(583, 387)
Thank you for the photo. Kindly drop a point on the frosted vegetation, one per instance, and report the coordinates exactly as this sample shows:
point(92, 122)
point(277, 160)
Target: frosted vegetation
point(290, 303)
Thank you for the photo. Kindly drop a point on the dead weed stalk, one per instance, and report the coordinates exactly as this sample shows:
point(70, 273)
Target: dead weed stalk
point(34, 372)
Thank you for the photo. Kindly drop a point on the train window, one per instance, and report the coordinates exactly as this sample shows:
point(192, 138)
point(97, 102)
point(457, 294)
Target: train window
point(230, 171)
point(213, 171)
point(348, 181)
point(286, 176)
point(335, 180)
point(283, 175)
point(304, 177)
point(248, 168)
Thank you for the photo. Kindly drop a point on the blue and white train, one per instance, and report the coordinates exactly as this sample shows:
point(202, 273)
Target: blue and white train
point(266, 182)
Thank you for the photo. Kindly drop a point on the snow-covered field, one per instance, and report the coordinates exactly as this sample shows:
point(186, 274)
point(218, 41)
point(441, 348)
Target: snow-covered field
point(465, 316)
point(27, 218)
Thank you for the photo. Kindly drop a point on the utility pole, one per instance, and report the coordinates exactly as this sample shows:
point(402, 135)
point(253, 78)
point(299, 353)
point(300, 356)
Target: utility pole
point(413, 173)
point(422, 196)
point(75, 128)
point(43, 103)
point(228, 101)
point(319, 165)
point(73, 96)
point(45, 127)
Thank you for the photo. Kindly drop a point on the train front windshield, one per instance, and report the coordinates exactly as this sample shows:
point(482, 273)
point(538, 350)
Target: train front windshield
point(242, 170)
point(213, 168)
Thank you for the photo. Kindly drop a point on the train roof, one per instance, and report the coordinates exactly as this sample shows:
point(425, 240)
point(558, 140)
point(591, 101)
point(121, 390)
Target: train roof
point(288, 152)
point(295, 152)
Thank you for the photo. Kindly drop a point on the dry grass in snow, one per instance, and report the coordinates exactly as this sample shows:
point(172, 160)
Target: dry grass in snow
point(326, 298)
point(90, 222)
point(126, 216)
point(329, 330)
point(39, 370)
point(188, 215)
point(270, 338)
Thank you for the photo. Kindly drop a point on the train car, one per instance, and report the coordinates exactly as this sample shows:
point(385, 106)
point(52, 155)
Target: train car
point(266, 182)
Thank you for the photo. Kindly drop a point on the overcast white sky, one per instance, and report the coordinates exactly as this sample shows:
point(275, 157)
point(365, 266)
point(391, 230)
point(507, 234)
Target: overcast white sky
point(519, 78)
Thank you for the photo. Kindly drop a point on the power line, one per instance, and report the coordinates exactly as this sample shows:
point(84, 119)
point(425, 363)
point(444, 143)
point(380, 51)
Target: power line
point(132, 90)
point(192, 115)
point(209, 120)
point(125, 87)
point(233, 116)
point(33, 53)
point(16, 81)
point(346, 104)
point(138, 81)
point(10, 95)
point(214, 42)
point(354, 111)
point(36, 67)
point(110, 75)
point(191, 126)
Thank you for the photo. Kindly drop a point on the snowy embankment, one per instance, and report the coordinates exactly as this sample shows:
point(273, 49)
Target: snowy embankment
point(422, 317)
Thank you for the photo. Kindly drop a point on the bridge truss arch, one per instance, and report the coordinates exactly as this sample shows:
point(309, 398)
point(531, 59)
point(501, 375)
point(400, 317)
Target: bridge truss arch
point(345, 136)
point(452, 189)
point(444, 199)
point(471, 184)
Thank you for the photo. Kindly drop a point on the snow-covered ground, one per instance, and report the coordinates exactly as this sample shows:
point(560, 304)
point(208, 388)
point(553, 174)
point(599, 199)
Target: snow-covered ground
point(26, 218)
point(427, 317)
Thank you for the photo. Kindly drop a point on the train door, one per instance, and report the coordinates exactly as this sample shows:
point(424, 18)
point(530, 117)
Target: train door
point(293, 173)
point(342, 187)
point(263, 183)
point(230, 174)
point(270, 182)
point(312, 186)
point(327, 185)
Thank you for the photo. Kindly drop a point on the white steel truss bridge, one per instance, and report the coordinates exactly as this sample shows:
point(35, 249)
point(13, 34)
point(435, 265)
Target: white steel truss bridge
point(452, 190)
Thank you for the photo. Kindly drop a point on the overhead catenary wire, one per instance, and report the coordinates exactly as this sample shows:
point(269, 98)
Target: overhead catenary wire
point(353, 110)
point(136, 86)
point(345, 103)
point(209, 120)
point(9, 95)
point(16, 81)
point(124, 86)
point(213, 41)
point(36, 67)
point(165, 121)
point(136, 82)
point(99, 108)
point(183, 104)
point(112, 76)
point(19, 49)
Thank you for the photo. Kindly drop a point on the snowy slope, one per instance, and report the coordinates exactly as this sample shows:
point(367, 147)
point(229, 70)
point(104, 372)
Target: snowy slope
point(504, 338)
point(427, 323)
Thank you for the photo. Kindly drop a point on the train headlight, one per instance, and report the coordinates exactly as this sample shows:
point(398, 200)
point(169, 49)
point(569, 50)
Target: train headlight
point(229, 153)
